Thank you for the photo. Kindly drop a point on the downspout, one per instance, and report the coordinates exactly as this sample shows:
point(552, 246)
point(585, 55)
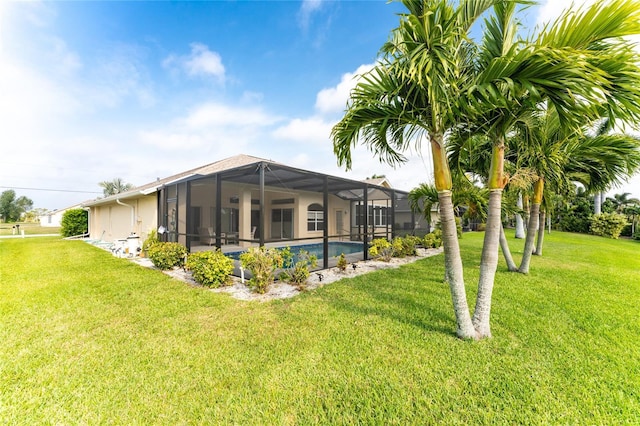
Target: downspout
point(133, 213)
point(88, 210)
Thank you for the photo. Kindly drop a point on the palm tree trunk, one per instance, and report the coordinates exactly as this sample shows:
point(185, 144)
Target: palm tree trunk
point(453, 271)
point(488, 265)
point(489, 259)
point(506, 251)
point(532, 227)
point(453, 267)
point(519, 221)
point(541, 230)
point(597, 203)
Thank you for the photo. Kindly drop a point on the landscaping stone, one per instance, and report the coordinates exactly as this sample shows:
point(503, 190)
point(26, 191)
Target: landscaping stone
point(282, 290)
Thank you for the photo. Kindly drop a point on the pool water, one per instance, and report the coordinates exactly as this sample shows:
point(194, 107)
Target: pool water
point(335, 249)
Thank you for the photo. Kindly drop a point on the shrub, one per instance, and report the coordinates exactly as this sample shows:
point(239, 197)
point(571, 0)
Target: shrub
point(342, 262)
point(404, 246)
point(167, 255)
point(414, 239)
point(297, 273)
point(608, 224)
point(74, 222)
point(626, 231)
point(262, 262)
point(152, 239)
point(210, 268)
point(433, 239)
point(397, 247)
point(381, 249)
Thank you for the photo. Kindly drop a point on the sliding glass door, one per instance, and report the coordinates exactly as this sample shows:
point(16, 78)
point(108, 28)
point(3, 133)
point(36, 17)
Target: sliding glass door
point(281, 223)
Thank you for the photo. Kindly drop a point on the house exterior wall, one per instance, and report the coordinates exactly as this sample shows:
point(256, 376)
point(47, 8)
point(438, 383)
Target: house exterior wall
point(54, 218)
point(113, 221)
point(306, 199)
point(51, 220)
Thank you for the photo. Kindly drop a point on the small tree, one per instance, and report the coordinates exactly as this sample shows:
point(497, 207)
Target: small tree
point(11, 208)
point(74, 222)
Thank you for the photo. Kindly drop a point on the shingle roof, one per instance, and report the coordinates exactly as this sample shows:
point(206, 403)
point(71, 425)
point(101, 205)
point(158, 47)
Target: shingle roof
point(383, 181)
point(215, 167)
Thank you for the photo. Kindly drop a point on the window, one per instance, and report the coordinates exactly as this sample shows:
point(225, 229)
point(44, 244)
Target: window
point(315, 217)
point(377, 215)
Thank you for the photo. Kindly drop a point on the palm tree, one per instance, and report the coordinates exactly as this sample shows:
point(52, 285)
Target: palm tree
point(412, 92)
point(573, 65)
point(559, 157)
point(422, 199)
point(429, 78)
point(115, 186)
point(622, 201)
point(467, 198)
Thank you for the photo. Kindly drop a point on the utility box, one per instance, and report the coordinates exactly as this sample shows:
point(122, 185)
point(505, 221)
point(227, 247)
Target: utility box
point(133, 245)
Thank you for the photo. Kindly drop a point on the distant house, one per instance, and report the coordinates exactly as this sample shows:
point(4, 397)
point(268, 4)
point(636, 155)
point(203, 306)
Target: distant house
point(244, 201)
point(54, 218)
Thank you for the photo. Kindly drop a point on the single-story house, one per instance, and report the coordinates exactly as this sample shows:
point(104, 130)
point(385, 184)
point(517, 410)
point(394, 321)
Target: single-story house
point(245, 201)
point(54, 218)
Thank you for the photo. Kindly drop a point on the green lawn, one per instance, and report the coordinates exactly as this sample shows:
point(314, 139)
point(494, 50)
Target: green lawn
point(29, 229)
point(86, 338)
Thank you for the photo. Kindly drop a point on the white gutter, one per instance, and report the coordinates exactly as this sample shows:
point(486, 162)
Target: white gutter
point(133, 212)
point(88, 210)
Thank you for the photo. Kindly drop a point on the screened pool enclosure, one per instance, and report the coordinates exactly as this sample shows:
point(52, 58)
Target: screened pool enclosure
point(266, 203)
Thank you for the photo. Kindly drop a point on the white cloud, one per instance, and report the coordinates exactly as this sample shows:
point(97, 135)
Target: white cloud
point(307, 8)
point(313, 130)
point(65, 61)
point(201, 62)
point(212, 126)
point(216, 114)
point(118, 76)
point(334, 99)
point(549, 10)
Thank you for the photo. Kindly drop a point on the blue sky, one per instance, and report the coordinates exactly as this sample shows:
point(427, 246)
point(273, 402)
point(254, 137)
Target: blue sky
point(91, 91)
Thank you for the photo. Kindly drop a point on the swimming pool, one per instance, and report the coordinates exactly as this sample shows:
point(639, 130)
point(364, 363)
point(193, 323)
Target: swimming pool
point(335, 249)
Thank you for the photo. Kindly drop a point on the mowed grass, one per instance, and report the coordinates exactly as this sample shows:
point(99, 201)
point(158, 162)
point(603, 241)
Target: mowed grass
point(87, 338)
point(29, 229)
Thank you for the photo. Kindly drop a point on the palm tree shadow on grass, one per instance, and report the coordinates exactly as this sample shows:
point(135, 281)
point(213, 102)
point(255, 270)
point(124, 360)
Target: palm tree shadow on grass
point(411, 300)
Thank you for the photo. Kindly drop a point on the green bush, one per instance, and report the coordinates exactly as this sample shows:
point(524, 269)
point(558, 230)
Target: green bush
point(210, 268)
point(626, 231)
point(404, 246)
point(433, 239)
point(381, 249)
point(297, 273)
point(167, 255)
point(152, 239)
point(608, 224)
point(74, 222)
point(342, 262)
point(262, 262)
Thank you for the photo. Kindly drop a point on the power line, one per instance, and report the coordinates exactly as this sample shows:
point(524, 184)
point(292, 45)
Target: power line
point(51, 190)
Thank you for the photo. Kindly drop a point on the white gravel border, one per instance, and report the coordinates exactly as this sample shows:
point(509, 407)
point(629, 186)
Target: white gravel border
point(280, 290)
